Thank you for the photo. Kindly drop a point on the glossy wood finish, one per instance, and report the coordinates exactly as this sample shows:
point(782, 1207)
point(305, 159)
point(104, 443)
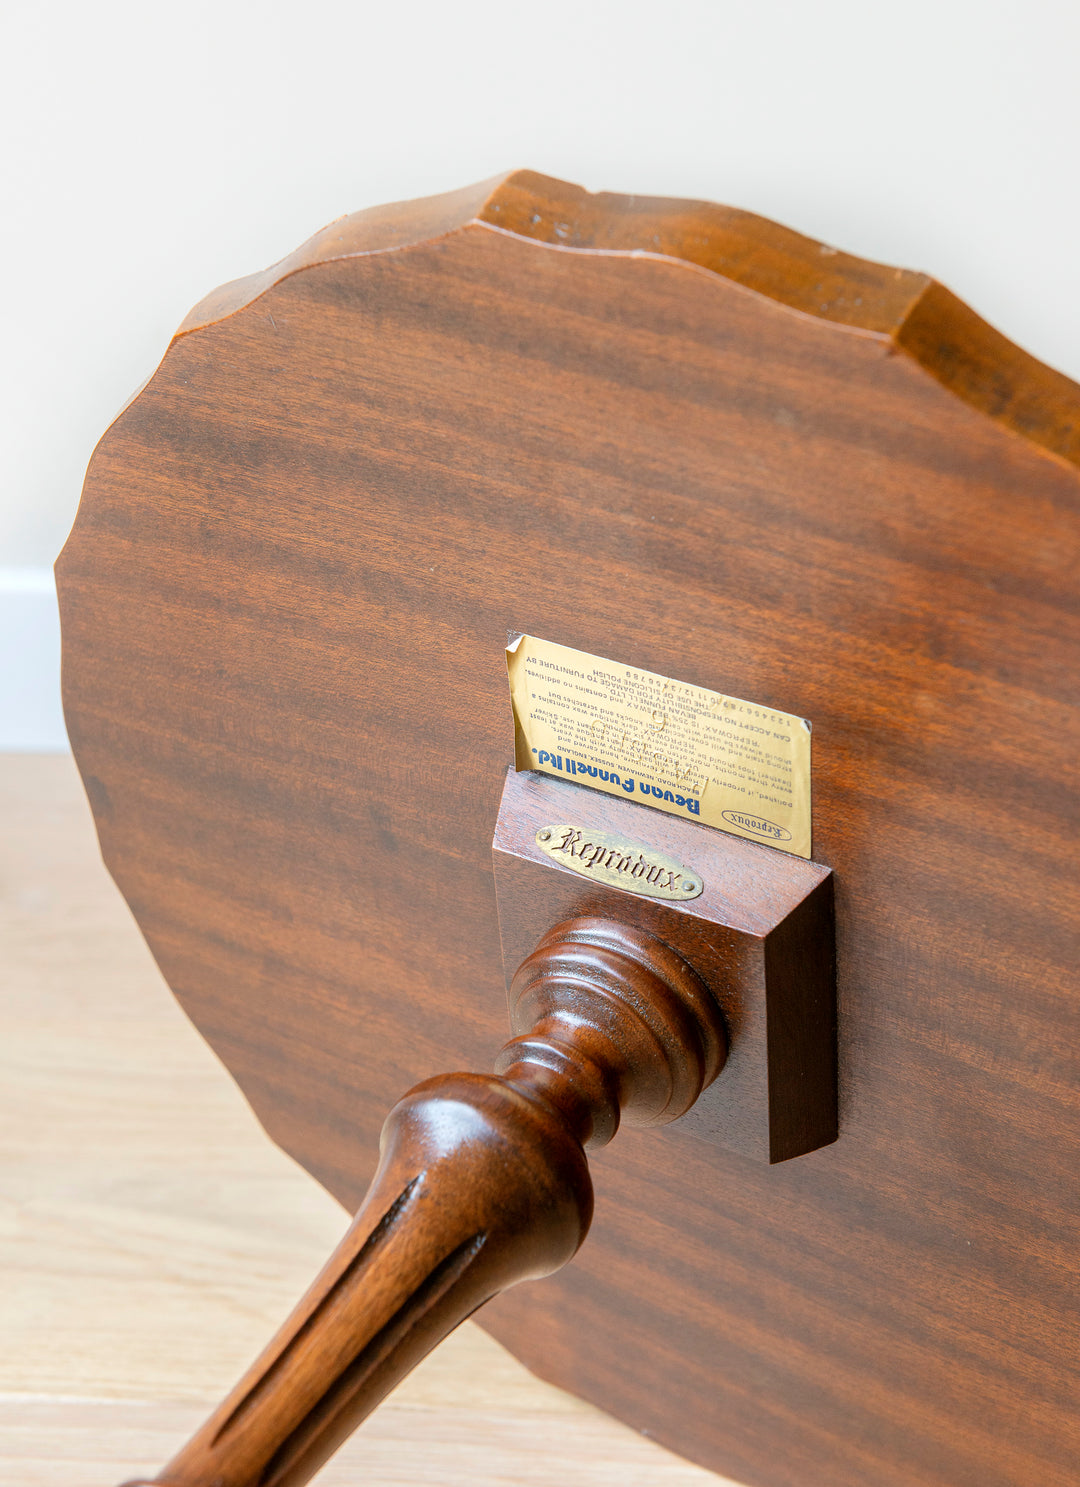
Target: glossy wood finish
point(285, 601)
point(482, 1183)
point(761, 934)
point(920, 317)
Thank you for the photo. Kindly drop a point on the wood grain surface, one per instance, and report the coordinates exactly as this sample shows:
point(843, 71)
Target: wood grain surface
point(760, 934)
point(151, 1237)
point(285, 600)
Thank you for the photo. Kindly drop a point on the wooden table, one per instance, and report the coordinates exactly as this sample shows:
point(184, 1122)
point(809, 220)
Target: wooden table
point(151, 1236)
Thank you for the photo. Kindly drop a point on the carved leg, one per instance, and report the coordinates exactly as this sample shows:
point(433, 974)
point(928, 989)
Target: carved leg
point(482, 1183)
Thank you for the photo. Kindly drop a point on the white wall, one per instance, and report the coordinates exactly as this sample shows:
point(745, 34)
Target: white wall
point(153, 151)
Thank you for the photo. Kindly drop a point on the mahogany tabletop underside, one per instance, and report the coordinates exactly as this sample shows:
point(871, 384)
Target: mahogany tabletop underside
point(285, 602)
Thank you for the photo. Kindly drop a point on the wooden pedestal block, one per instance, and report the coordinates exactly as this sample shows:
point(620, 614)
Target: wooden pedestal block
point(760, 935)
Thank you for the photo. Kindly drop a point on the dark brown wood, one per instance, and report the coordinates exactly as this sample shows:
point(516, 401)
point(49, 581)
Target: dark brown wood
point(285, 600)
point(761, 933)
point(918, 316)
point(482, 1183)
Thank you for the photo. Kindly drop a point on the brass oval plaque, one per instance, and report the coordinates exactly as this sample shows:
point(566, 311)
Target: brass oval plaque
point(619, 862)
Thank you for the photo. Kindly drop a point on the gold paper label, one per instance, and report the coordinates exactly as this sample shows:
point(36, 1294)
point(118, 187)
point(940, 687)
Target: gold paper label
point(606, 857)
point(679, 748)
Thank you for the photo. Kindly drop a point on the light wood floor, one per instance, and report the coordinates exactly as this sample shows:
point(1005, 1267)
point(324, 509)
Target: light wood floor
point(151, 1237)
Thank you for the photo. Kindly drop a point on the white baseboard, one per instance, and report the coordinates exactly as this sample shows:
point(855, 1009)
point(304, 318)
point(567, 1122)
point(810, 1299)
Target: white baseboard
point(31, 720)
